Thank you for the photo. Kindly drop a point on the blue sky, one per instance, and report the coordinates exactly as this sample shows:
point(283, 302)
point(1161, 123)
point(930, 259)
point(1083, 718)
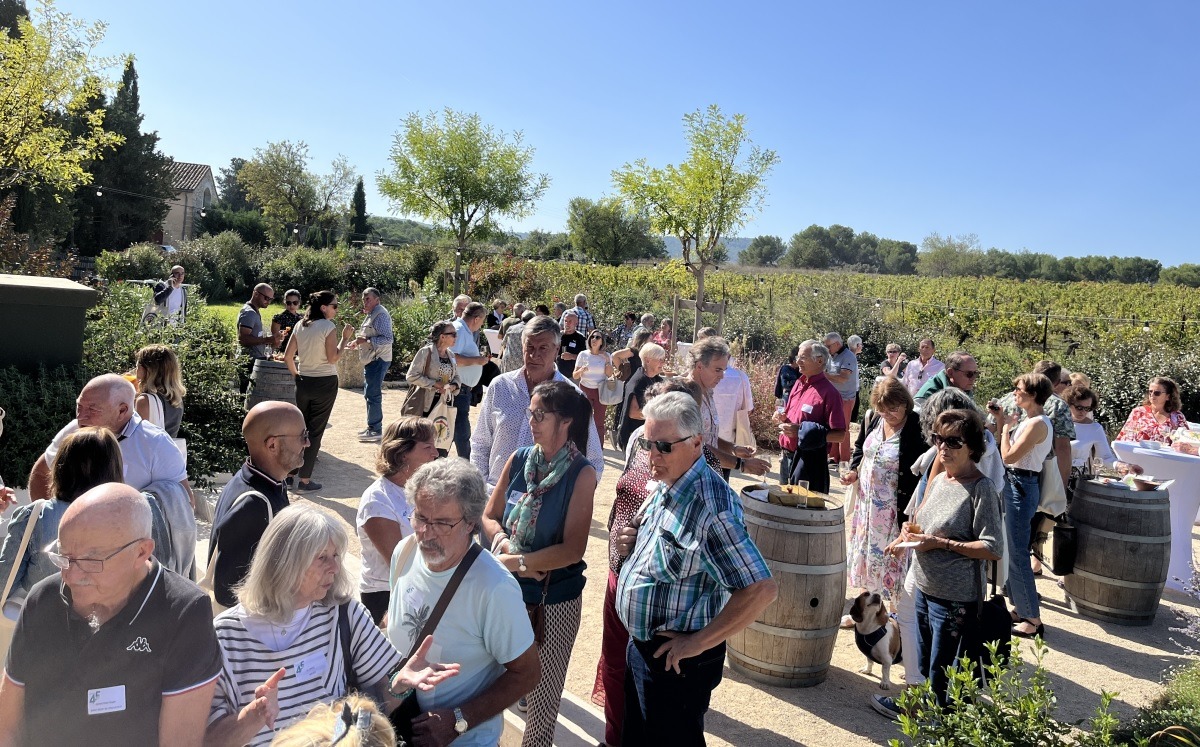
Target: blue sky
point(1063, 127)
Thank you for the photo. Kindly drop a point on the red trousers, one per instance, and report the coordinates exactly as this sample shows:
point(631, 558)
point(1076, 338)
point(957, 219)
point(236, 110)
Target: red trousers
point(609, 689)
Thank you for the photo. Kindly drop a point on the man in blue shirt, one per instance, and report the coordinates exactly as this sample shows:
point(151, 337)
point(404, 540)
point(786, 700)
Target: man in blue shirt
point(694, 578)
point(470, 368)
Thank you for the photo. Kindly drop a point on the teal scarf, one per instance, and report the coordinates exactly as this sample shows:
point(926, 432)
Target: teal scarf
point(540, 477)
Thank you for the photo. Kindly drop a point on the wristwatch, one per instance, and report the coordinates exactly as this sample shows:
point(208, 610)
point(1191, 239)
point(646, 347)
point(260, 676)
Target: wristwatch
point(460, 723)
point(521, 564)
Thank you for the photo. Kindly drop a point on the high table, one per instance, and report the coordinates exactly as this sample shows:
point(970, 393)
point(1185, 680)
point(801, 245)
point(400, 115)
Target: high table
point(1184, 469)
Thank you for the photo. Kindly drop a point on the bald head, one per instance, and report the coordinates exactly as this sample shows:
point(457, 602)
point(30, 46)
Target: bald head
point(113, 508)
point(106, 401)
point(273, 431)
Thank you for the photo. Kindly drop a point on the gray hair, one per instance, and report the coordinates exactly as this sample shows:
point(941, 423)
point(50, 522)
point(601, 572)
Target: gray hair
point(560, 305)
point(854, 342)
point(831, 337)
point(116, 388)
point(293, 540)
point(955, 360)
point(368, 291)
point(444, 480)
point(950, 398)
point(527, 315)
point(707, 350)
point(579, 297)
point(705, 332)
point(817, 350)
point(462, 298)
point(570, 313)
point(540, 325)
point(678, 408)
point(653, 351)
point(648, 319)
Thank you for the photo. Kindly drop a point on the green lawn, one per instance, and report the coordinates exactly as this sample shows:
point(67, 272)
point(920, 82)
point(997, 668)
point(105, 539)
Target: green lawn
point(228, 312)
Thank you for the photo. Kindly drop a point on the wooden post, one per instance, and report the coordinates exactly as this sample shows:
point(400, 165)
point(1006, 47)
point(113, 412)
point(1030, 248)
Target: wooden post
point(1045, 330)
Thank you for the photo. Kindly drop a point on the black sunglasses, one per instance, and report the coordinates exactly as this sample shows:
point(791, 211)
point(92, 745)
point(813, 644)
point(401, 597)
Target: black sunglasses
point(950, 442)
point(1081, 408)
point(663, 447)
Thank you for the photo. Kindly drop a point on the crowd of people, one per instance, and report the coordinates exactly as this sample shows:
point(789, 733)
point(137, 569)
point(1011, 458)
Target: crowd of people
point(470, 598)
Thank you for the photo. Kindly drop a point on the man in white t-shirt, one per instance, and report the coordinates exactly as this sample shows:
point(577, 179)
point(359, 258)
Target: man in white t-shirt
point(172, 296)
point(470, 360)
point(485, 628)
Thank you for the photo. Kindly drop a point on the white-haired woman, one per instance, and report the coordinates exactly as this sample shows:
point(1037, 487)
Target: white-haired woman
point(285, 630)
point(654, 358)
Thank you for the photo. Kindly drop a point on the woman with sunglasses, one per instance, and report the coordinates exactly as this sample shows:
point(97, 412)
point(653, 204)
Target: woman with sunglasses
point(956, 526)
point(1024, 446)
point(311, 355)
point(285, 321)
point(1090, 442)
point(1158, 416)
point(592, 368)
point(536, 523)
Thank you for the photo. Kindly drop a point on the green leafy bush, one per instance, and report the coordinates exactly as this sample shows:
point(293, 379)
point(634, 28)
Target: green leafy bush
point(308, 270)
point(1010, 710)
point(138, 262)
point(223, 266)
point(1120, 372)
point(1178, 705)
point(411, 320)
point(38, 405)
point(213, 413)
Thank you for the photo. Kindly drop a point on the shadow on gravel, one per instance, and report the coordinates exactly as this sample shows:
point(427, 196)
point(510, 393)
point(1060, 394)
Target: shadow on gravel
point(842, 700)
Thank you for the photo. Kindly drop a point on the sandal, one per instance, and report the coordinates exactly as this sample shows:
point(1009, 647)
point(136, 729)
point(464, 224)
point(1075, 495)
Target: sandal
point(1039, 631)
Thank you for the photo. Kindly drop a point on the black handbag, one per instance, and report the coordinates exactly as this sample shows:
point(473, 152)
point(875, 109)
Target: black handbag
point(993, 624)
point(1062, 561)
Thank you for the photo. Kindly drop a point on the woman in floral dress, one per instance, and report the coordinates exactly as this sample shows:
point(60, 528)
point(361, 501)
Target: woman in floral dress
point(889, 441)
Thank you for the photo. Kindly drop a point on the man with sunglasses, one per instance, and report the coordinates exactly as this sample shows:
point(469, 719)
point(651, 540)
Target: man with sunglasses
point(276, 439)
point(255, 345)
point(961, 371)
point(115, 649)
point(693, 578)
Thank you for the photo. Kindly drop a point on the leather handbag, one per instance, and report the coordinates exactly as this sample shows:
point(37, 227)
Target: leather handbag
point(612, 392)
point(1062, 558)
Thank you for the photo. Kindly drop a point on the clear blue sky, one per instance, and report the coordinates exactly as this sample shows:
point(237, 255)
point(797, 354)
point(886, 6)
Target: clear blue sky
point(1066, 127)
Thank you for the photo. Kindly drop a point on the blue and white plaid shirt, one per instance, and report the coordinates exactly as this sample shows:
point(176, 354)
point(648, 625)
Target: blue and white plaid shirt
point(692, 552)
point(586, 321)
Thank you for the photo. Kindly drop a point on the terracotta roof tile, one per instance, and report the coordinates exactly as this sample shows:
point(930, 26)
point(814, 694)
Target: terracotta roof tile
point(188, 175)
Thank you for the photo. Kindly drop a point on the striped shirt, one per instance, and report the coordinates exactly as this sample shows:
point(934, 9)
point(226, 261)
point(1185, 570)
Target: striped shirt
point(315, 669)
point(692, 551)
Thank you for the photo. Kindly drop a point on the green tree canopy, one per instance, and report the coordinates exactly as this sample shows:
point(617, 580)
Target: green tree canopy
point(277, 179)
point(360, 227)
point(706, 197)
point(763, 251)
point(606, 231)
point(230, 191)
point(453, 170)
point(51, 125)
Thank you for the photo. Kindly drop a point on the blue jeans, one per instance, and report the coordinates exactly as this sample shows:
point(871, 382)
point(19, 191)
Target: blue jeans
point(662, 707)
point(462, 422)
point(941, 625)
point(1022, 493)
point(373, 374)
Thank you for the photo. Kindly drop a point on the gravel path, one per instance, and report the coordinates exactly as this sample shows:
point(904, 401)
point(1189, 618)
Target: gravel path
point(1084, 655)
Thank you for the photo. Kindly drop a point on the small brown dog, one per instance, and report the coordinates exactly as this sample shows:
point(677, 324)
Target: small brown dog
point(876, 635)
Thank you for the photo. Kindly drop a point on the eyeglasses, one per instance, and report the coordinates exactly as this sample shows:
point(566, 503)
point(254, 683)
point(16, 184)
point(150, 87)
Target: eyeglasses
point(87, 565)
point(1081, 408)
point(972, 375)
point(950, 442)
point(539, 414)
point(292, 302)
point(302, 435)
point(436, 527)
point(1156, 392)
point(663, 447)
point(267, 298)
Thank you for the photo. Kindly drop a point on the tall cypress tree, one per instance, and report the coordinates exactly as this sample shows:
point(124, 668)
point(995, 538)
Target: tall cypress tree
point(10, 11)
point(359, 226)
point(135, 180)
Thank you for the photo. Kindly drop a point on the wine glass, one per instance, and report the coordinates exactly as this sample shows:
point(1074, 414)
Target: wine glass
point(843, 469)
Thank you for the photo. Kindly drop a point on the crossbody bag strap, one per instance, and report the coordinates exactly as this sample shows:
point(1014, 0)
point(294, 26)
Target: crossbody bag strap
point(444, 600)
point(34, 515)
point(347, 658)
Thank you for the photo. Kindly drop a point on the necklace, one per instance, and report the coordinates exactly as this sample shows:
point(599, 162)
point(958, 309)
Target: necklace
point(93, 621)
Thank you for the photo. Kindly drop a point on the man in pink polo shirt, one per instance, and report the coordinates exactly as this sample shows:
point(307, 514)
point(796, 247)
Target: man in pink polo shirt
point(812, 417)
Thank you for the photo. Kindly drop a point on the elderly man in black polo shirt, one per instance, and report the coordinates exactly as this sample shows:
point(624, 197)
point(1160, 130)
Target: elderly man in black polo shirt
point(114, 650)
point(276, 439)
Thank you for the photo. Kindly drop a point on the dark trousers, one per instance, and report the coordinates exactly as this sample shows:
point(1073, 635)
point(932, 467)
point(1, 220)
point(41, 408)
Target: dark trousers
point(376, 603)
point(662, 707)
point(315, 396)
point(462, 423)
point(941, 628)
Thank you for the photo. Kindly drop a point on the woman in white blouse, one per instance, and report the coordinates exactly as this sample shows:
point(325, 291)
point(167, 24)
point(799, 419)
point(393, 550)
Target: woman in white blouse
point(1091, 441)
point(592, 367)
point(384, 513)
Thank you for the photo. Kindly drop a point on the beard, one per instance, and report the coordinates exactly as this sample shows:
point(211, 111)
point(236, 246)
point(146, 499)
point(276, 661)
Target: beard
point(432, 551)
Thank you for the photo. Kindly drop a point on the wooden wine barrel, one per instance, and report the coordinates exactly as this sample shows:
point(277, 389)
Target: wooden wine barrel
point(791, 642)
point(1124, 550)
point(270, 380)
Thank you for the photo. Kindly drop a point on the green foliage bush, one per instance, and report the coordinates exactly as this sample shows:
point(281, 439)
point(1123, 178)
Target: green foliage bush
point(1178, 705)
point(1121, 371)
point(213, 413)
point(308, 270)
point(411, 320)
point(223, 266)
point(38, 405)
point(138, 262)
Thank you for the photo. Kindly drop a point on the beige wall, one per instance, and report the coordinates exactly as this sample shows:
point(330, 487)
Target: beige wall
point(184, 210)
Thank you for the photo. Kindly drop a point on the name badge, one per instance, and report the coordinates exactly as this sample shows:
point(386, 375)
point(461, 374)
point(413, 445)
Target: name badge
point(514, 496)
point(106, 700)
point(310, 666)
point(806, 409)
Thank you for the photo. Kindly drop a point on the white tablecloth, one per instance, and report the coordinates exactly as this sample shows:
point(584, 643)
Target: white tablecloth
point(1184, 469)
